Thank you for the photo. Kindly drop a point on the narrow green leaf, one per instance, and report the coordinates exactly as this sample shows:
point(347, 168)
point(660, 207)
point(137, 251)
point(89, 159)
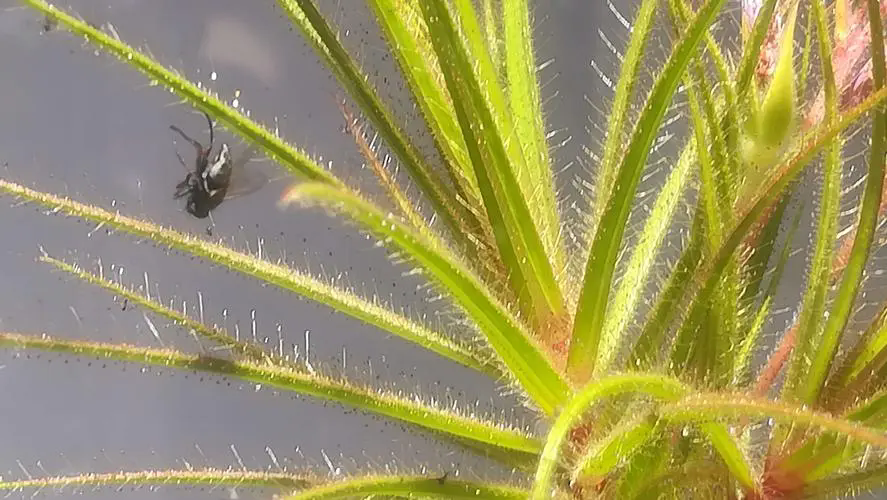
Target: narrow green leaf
point(861, 367)
point(643, 257)
point(214, 333)
point(709, 273)
point(710, 407)
point(408, 41)
point(761, 251)
point(622, 94)
point(805, 54)
point(409, 410)
point(705, 475)
point(291, 158)
point(649, 345)
point(644, 467)
point(730, 452)
point(708, 191)
point(517, 236)
point(410, 487)
point(492, 33)
point(601, 263)
point(617, 448)
point(716, 205)
point(487, 74)
point(525, 107)
point(870, 411)
point(305, 15)
point(517, 128)
point(848, 485)
point(202, 478)
point(342, 300)
point(824, 353)
point(744, 356)
point(724, 130)
point(514, 345)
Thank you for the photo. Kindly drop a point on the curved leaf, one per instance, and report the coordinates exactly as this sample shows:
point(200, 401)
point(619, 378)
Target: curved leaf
point(657, 386)
point(506, 336)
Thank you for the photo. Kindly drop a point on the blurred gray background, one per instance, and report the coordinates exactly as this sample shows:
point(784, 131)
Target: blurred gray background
point(80, 123)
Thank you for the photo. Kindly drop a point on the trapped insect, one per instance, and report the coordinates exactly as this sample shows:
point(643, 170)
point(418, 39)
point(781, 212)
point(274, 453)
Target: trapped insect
point(210, 182)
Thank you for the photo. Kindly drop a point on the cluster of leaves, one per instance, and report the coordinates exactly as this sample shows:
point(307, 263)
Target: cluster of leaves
point(677, 406)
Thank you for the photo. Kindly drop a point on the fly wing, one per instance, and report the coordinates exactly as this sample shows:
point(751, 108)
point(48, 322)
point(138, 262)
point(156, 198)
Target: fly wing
point(245, 180)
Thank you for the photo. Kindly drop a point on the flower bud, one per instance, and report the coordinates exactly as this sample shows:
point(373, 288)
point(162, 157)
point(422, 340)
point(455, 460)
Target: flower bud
point(772, 127)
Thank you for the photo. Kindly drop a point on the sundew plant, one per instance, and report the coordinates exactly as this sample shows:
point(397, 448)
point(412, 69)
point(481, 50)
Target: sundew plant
point(641, 340)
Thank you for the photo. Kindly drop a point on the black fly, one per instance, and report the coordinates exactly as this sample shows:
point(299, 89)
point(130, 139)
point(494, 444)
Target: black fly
point(207, 185)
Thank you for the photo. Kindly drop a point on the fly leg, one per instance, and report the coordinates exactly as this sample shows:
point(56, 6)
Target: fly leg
point(184, 187)
point(212, 224)
point(182, 161)
point(210, 121)
point(197, 145)
point(202, 154)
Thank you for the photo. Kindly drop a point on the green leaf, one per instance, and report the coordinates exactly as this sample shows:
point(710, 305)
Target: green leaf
point(729, 450)
point(305, 15)
point(214, 333)
point(198, 478)
point(622, 94)
point(710, 407)
point(648, 347)
point(645, 467)
point(600, 268)
point(723, 129)
point(291, 158)
point(862, 367)
point(493, 35)
point(525, 106)
point(617, 448)
point(656, 386)
point(507, 337)
point(370, 312)
point(806, 52)
point(451, 423)
point(826, 348)
point(519, 242)
point(409, 486)
point(870, 411)
point(761, 250)
point(643, 258)
point(709, 273)
point(715, 209)
point(744, 356)
point(408, 40)
point(848, 485)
